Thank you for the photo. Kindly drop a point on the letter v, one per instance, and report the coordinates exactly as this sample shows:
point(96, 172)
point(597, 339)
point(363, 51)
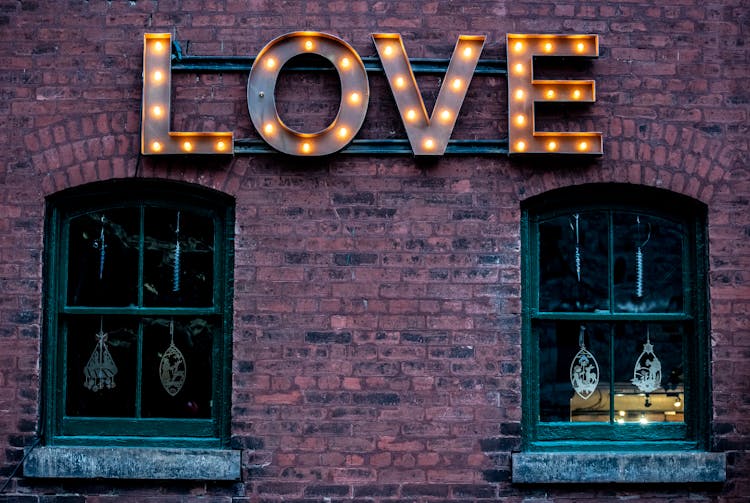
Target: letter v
point(428, 135)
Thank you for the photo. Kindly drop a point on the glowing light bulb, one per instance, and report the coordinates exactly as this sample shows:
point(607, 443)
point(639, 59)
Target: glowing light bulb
point(156, 146)
point(583, 146)
point(157, 76)
point(355, 98)
point(577, 94)
point(520, 94)
point(345, 63)
point(158, 46)
point(552, 145)
point(411, 114)
point(343, 132)
point(520, 119)
point(156, 111)
point(580, 47)
point(187, 146)
point(518, 68)
point(309, 45)
point(221, 145)
point(429, 144)
point(388, 51)
point(270, 63)
point(643, 419)
point(521, 146)
point(306, 148)
point(548, 47)
point(468, 52)
point(456, 84)
point(400, 82)
point(677, 402)
point(445, 115)
point(622, 413)
point(549, 94)
point(268, 128)
point(518, 47)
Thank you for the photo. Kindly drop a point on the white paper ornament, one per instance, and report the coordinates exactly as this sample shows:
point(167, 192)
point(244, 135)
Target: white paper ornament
point(100, 370)
point(584, 370)
point(172, 367)
point(647, 371)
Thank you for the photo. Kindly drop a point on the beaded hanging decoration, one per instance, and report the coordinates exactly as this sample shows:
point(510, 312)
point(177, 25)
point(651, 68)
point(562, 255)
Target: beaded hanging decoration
point(639, 259)
point(574, 228)
point(176, 264)
point(647, 371)
point(172, 367)
point(584, 370)
point(100, 370)
point(101, 246)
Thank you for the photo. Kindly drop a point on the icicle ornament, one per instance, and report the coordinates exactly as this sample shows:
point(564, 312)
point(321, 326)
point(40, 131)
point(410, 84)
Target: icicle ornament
point(647, 371)
point(100, 245)
point(176, 268)
point(639, 259)
point(100, 370)
point(574, 228)
point(584, 370)
point(172, 367)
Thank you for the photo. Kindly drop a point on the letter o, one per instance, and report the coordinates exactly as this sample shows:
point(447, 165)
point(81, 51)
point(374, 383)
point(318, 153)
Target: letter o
point(261, 99)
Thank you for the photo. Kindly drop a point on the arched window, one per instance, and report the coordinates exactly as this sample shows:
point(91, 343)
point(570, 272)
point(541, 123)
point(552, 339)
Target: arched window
point(615, 327)
point(138, 315)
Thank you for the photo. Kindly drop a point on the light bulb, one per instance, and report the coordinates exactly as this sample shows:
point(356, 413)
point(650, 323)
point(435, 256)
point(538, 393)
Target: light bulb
point(552, 145)
point(221, 145)
point(518, 68)
point(520, 94)
point(187, 146)
point(521, 146)
point(518, 47)
point(400, 82)
point(622, 413)
point(308, 45)
point(549, 94)
point(429, 144)
point(468, 52)
point(548, 47)
point(343, 132)
point(577, 94)
point(157, 76)
point(345, 63)
point(580, 47)
point(158, 46)
point(388, 51)
point(270, 63)
point(643, 419)
point(445, 115)
point(355, 98)
point(156, 146)
point(306, 148)
point(456, 84)
point(156, 111)
point(583, 146)
point(268, 128)
point(411, 114)
point(520, 119)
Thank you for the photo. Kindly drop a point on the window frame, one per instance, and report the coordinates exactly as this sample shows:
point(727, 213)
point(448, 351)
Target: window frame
point(61, 208)
point(562, 436)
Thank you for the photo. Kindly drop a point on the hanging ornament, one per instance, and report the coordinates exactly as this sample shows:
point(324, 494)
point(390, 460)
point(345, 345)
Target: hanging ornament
point(647, 371)
point(176, 269)
point(574, 228)
point(639, 259)
point(584, 371)
point(100, 370)
point(172, 367)
point(101, 246)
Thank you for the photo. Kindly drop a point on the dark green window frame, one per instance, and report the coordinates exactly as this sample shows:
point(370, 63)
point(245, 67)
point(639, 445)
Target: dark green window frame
point(204, 432)
point(610, 198)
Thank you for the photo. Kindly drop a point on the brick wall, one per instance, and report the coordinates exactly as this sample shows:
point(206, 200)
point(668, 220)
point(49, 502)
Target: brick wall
point(377, 299)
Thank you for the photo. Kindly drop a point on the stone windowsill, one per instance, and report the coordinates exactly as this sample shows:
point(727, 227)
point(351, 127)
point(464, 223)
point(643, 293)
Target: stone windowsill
point(133, 463)
point(618, 467)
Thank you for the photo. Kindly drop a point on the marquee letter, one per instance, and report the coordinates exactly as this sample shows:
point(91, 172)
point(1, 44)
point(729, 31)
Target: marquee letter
point(156, 138)
point(428, 135)
point(524, 92)
point(261, 99)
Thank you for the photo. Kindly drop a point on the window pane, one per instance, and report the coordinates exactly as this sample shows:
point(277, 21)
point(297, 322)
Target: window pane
point(573, 262)
point(178, 275)
point(561, 355)
point(648, 373)
point(101, 370)
point(177, 375)
point(103, 258)
point(648, 264)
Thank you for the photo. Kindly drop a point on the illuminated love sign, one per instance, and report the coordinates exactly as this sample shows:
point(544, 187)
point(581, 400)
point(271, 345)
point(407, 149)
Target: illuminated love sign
point(428, 134)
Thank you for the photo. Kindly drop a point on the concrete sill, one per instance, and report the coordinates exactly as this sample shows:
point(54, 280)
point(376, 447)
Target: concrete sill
point(133, 463)
point(618, 467)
